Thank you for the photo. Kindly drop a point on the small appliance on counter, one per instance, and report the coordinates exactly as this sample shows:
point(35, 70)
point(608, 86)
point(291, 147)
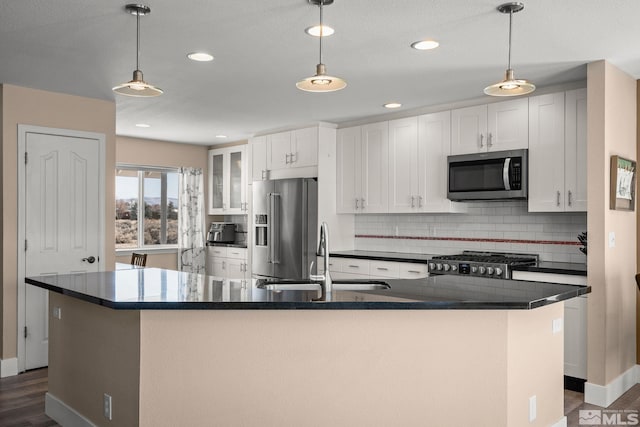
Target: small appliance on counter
point(222, 232)
point(496, 265)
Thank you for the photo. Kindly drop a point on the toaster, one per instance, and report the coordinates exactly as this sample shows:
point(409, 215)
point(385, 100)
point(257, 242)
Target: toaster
point(222, 232)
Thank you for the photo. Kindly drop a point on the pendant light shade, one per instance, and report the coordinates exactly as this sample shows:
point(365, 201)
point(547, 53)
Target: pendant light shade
point(510, 86)
point(321, 81)
point(137, 86)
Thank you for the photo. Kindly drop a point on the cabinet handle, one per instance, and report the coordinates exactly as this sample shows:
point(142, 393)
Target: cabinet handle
point(489, 140)
point(264, 174)
point(412, 202)
point(413, 271)
point(294, 157)
point(223, 265)
point(569, 197)
point(362, 203)
point(286, 158)
point(557, 198)
point(419, 201)
point(357, 207)
point(481, 140)
point(382, 268)
point(353, 266)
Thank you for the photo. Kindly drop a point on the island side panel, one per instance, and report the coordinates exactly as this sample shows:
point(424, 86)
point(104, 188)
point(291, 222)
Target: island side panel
point(94, 350)
point(534, 350)
point(338, 368)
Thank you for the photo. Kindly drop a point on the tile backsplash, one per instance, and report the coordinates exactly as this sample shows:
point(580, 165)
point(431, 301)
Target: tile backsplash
point(488, 226)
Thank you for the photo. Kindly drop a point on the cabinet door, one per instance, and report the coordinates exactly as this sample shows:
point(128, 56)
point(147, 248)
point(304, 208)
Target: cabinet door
point(375, 168)
point(278, 150)
point(236, 180)
point(304, 147)
point(434, 145)
point(575, 150)
point(234, 268)
point(348, 163)
point(469, 130)
point(218, 267)
point(508, 124)
point(216, 181)
point(546, 153)
point(258, 158)
point(403, 165)
point(575, 337)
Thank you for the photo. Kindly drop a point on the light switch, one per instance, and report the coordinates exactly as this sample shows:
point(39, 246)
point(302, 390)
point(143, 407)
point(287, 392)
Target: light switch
point(612, 239)
point(57, 312)
point(557, 326)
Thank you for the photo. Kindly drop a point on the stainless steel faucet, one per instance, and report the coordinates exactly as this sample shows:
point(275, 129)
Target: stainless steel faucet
point(323, 251)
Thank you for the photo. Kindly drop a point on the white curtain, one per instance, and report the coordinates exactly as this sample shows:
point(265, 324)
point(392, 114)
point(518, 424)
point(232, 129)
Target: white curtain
point(191, 249)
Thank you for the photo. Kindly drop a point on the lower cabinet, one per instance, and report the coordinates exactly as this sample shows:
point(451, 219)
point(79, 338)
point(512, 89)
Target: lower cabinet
point(358, 268)
point(227, 262)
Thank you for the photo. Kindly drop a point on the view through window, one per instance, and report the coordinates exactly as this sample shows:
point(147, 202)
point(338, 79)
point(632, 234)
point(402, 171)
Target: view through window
point(146, 207)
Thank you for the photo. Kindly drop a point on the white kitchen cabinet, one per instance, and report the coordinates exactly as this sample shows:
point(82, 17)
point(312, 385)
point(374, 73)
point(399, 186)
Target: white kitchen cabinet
point(258, 146)
point(418, 150)
point(363, 169)
point(292, 149)
point(227, 262)
point(557, 152)
point(360, 268)
point(491, 127)
point(227, 181)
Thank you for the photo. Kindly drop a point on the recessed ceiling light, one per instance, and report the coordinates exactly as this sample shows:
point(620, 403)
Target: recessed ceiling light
point(315, 31)
point(142, 125)
point(200, 56)
point(392, 105)
point(425, 44)
point(221, 136)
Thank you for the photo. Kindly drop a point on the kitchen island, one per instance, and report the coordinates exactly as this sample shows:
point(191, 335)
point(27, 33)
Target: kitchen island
point(174, 348)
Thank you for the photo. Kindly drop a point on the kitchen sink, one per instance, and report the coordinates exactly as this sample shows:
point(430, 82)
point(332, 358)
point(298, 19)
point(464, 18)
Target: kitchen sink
point(339, 285)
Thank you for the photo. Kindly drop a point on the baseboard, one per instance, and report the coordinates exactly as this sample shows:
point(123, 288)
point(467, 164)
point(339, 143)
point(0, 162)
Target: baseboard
point(604, 396)
point(63, 414)
point(561, 423)
point(8, 367)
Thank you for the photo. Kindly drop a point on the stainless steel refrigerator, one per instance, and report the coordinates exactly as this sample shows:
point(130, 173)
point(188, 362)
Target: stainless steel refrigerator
point(285, 224)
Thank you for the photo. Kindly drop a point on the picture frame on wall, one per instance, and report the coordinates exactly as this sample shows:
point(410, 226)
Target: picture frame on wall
point(622, 188)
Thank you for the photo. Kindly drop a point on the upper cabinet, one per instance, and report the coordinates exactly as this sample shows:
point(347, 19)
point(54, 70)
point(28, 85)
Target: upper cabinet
point(363, 169)
point(227, 181)
point(558, 152)
point(273, 155)
point(418, 150)
point(492, 127)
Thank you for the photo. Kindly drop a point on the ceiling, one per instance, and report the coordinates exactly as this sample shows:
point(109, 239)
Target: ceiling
point(85, 47)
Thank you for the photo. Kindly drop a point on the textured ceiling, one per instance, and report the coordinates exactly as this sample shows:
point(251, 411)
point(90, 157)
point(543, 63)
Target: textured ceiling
point(85, 47)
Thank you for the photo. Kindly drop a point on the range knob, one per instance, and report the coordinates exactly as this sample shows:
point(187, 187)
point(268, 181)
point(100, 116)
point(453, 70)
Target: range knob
point(439, 266)
point(489, 271)
point(454, 267)
point(498, 271)
point(432, 266)
point(474, 269)
point(447, 267)
point(482, 270)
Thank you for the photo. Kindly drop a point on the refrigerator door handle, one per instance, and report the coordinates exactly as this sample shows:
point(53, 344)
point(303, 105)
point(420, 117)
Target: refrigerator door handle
point(274, 246)
point(269, 232)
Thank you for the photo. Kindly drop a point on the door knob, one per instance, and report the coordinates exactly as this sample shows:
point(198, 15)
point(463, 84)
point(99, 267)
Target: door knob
point(90, 259)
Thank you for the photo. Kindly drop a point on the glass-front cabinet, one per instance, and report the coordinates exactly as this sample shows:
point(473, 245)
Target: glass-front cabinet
point(227, 181)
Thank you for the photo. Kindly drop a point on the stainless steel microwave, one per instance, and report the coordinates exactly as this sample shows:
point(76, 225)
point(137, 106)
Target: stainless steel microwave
point(488, 176)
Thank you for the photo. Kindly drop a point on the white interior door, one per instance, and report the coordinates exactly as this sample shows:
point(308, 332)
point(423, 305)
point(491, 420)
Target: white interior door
point(62, 223)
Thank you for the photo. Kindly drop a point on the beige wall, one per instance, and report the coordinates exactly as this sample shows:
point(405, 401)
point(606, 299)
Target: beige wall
point(611, 271)
point(40, 108)
point(148, 152)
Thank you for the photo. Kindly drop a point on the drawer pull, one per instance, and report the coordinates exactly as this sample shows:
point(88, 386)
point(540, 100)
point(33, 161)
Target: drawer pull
point(383, 268)
point(414, 271)
point(354, 266)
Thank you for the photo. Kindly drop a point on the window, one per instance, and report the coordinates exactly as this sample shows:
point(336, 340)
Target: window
point(146, 207)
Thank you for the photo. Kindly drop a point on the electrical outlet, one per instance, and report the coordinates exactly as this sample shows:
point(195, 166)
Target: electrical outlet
point(57, 312)
point(106, 401)
point(556, 326)
point(533, 409)
point(612, 239)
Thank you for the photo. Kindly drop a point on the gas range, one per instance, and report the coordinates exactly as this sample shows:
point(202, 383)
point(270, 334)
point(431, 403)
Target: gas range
point(483, 264)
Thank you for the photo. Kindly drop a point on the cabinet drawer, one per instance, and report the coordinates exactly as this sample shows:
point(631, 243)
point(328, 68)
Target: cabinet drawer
point(384, 269)
point(236, 253)
point(217, 251)
point(413, 271)
point(355, 266)
point(335, 264)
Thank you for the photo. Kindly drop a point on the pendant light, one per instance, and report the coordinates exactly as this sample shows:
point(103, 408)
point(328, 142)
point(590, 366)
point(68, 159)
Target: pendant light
point(510, 86)
point(137, 87)
point(321, 82)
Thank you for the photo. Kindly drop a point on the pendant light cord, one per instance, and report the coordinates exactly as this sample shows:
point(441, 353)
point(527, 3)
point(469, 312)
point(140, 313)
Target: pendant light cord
point(510, 19)
point(138, 40)
point(321, 30)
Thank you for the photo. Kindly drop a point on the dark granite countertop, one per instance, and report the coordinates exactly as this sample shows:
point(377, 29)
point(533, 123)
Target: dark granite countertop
point(160, 289)
point(228, 245)
point(569, 268)
point(384, 256)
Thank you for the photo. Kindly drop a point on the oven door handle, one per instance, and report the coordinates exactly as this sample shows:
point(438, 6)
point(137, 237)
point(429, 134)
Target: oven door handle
point(505, 173)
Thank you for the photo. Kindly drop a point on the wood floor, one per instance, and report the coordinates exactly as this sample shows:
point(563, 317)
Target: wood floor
point(22, 401)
